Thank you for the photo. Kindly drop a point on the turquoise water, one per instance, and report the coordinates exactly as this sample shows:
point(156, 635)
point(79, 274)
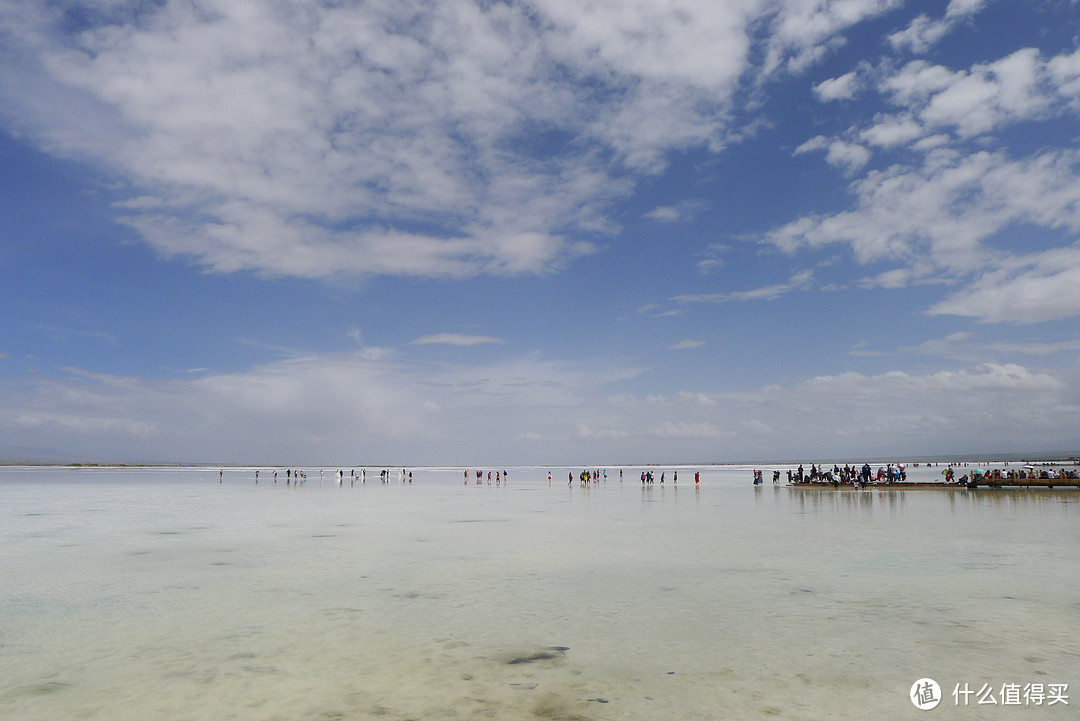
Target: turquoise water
point(160, 593)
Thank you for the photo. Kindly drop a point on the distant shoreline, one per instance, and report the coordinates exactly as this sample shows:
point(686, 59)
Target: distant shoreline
point(1043, 460)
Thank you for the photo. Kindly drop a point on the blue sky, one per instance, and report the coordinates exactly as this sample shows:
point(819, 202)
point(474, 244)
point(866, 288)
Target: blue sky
point(608, 232)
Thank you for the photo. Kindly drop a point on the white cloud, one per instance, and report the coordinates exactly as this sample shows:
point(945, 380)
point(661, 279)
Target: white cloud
point(686, 344)
point(847, 156)
point(800, 281)
point(980, 100)
point(319, 140)
point(923, 32)
point(840, 88)
point(967, 346)
point(887, 413)
point(888, 132)
point(804, 31)
point(682, 211)
point(1027, 289)
point(964, 8)
point(456, 339)
point(940, 214)
point(434, 138)
point(1064, 71)
point(818, 142)
point(939, 219)
point(347, 409)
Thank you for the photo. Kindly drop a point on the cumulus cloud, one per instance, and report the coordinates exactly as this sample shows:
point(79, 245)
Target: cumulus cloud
point(979, 100)
point(804, 32)
point(923, 32)
point(1064, 71)
point(889, 132)
point(840, 88)
point(451, 138)
point(312, 139)
point(938, 217)
point(839, 153)
point(943, 219)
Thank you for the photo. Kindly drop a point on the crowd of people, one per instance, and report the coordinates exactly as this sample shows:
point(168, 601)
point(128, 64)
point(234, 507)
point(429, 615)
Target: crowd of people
point(848, 475)
point(500, 477)
point(297, 477)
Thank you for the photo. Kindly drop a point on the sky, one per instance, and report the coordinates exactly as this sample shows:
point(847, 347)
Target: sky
point(547, 232)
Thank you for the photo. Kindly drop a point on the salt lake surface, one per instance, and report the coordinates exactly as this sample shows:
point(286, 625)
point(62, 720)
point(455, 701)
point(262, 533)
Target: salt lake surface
point(162, 594)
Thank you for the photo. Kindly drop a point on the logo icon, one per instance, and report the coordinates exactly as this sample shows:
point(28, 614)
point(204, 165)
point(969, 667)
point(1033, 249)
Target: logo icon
point(925, 694)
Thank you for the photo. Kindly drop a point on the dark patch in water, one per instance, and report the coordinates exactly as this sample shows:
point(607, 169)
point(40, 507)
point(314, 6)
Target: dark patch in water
point(324, 535)
point(261, 670)
point(43, 689)
point(550, 653)
point(414, 595)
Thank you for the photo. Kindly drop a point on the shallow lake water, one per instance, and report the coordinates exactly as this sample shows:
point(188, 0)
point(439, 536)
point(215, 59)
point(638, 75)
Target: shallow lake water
point(164, 594)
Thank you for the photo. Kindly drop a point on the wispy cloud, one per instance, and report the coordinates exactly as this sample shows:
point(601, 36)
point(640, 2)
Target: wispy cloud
point(456, 339)
point(685, 210)
point(347, 408)
point(687, 344)
point(800, 281)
